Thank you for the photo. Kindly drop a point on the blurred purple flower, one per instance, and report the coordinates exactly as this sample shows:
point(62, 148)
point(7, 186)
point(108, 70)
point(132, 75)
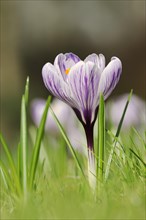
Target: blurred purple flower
point(63, 113)
point(79, 84)
point(135, 114)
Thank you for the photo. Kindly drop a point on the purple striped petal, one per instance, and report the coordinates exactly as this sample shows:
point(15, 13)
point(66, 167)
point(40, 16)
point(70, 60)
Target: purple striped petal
point(56, 85)
point(79, 83)
point(110, 77)
point(53, 81)
point(83, 81)
point(63, 63)
point(99, 60)
point(72, 56)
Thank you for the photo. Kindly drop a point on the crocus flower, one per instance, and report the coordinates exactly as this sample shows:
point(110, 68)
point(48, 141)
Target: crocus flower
point(135, 114)
point(63, 113)
point(79, 84)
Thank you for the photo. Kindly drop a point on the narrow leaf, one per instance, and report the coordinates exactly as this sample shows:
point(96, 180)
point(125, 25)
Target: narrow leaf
point(139, 137)
point(135, 154)
point(116, 135)
point(19, 161)
point(26, 93)
point(36, 150)
point(123, 115)
point(11, 163)
point(101, 139)
point(23, 145)
point(68, 143)
point(6, 178)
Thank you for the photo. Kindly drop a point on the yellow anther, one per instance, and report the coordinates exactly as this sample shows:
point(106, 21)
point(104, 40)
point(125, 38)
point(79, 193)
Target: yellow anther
point(67, 70)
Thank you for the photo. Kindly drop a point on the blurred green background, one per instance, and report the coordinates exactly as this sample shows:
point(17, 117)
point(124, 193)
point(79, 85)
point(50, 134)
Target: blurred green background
point(34, 32)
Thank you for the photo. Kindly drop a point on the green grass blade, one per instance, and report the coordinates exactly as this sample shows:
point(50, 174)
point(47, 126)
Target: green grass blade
point(23, 146)
point(11, 163)
point(101, 139)
point(26, 93)
point(3, 174)
point(18, 161)
point(116, 135)
point(22, 168)
point(143, 142)
point(115, 139)
point(68, 143)
point(36, 150)
point(123, 115)
point(6, 178)
point(8, 153)
point(135, 154)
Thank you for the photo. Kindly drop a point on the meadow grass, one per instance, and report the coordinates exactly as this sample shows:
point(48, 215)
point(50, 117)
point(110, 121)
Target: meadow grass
point(47, 179)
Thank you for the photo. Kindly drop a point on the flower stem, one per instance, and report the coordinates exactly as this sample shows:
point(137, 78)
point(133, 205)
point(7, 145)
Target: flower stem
point(91, 157)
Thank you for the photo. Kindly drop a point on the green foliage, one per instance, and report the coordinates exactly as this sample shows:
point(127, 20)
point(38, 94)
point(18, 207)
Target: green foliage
point(53, 187)
point(36, 150)
point(23, 147)
point(101, 140)
point(115, 138)
point(20, 177)
point(12, 176)
point(68, 143)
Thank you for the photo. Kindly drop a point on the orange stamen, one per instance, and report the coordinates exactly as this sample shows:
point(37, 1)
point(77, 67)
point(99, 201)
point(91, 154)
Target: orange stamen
point(67, 70)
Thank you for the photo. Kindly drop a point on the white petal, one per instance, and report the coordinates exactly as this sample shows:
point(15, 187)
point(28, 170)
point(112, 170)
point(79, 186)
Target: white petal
point(110, 77)
point(98, 60)
point(56, 84)
point(83, 81)
point(63, 63)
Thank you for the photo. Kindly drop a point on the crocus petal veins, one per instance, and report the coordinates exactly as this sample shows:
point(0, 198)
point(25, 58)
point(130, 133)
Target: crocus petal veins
point(79, 83)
